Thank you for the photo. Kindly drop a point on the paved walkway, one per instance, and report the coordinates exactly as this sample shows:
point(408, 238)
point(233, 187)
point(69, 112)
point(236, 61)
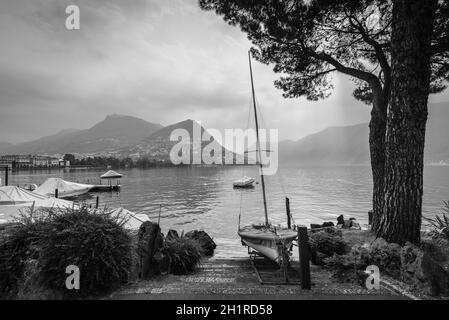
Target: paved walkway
point(236, 279)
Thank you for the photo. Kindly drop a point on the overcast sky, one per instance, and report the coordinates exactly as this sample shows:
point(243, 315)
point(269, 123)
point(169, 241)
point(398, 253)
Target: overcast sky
point(161, 60)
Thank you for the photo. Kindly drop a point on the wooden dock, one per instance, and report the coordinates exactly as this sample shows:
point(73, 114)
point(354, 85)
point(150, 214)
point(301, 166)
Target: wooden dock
point(237, 279)
point(105, 188)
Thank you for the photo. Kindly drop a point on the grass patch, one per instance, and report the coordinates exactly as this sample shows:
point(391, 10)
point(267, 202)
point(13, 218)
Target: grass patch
point(183, 255)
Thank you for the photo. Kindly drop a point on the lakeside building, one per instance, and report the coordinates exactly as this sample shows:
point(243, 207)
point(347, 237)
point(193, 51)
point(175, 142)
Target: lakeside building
point(21, 161)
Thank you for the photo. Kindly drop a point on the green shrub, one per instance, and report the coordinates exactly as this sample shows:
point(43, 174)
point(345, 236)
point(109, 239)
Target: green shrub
point(16, 246)
point(440, 225)
point(387, 256)
point(183, 254)
point(96, 243)
point(350, 267)
point(327, 243)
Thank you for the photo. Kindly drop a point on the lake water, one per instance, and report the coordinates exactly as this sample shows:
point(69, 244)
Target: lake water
point(203, 197)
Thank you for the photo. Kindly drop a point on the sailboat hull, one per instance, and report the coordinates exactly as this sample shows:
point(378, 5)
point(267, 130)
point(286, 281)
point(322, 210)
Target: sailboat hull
point(268, 242)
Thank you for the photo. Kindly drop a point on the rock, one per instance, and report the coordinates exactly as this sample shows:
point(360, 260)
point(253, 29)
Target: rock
point(347, 224)
point(328, 224)
point(204, 239)
point(422, 271)
point(355, 225)
point(340, 220)
point(323, 225)
point(172, 234)
point(150, 240)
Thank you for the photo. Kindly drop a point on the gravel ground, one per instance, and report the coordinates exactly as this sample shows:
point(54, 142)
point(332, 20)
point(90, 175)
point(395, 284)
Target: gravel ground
point(236, 279)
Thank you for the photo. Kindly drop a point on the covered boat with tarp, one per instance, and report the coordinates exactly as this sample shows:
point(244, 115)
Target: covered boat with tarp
point(15, 200)
point(130, 219)
point(11, 195)
point(66, 189)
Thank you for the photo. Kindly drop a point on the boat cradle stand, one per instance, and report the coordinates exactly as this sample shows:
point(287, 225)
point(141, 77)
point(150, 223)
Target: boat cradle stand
point(259, 262)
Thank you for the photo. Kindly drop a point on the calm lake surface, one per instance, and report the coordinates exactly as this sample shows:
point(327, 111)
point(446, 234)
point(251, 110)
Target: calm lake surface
point(203, 197)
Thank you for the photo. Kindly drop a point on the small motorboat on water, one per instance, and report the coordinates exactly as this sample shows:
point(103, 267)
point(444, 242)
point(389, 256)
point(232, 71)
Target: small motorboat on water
point(245, 182)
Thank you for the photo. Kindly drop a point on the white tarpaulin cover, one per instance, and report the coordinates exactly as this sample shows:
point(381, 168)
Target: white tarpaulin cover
point(14, 200)
point(10, 195)
point(65, 188)
point(133, 220)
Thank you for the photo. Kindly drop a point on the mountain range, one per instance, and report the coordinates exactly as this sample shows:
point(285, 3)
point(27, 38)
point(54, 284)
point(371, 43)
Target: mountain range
point(114, 132)
point(126, 136)
point(349, 144)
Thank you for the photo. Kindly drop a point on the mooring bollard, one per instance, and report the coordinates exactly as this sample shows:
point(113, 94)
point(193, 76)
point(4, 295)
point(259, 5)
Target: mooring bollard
point(56, 193)
point(304, 257)
point(97, 202)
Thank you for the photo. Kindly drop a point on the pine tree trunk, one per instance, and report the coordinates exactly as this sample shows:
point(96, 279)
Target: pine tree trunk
point(377, 129)
point(406, 120)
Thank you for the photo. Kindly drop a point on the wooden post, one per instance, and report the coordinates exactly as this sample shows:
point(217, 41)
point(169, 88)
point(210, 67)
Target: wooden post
point(6, 175)
point(97, 202)
point(304, 257)
point(287, 207)
point(56, 193)
point(159, 218)
point(370, 217)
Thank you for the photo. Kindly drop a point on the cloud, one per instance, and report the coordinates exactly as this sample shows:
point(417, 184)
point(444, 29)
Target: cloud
point(163, 61)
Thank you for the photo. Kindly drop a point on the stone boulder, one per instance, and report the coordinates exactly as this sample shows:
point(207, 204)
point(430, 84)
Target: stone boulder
point(207, 244)
point(340, 220)
point(423, 271)
point(323, 225)
point(149, 241)
point(355, 225)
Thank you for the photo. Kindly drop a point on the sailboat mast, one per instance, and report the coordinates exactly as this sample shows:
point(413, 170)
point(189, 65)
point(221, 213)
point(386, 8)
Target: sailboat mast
point(258, 141)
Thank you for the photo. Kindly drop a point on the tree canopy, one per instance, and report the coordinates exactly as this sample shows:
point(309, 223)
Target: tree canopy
point(307, 41)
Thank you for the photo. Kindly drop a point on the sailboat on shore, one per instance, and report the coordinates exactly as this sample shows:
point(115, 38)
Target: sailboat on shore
point(268, 240)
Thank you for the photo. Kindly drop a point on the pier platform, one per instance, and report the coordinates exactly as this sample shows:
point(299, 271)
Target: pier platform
point(236, 279)
point(104, 188)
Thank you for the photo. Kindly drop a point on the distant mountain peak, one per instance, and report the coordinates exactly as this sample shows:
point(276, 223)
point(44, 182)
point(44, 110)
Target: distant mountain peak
point(116, 116)
point(112, 133)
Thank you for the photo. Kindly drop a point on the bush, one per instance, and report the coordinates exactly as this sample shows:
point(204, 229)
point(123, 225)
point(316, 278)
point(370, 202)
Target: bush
point(95, 242)
point(327, 242)
point(387, 256)
point(183, 255)
point(439, 224)
point(15, 246)
point(350, 267)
